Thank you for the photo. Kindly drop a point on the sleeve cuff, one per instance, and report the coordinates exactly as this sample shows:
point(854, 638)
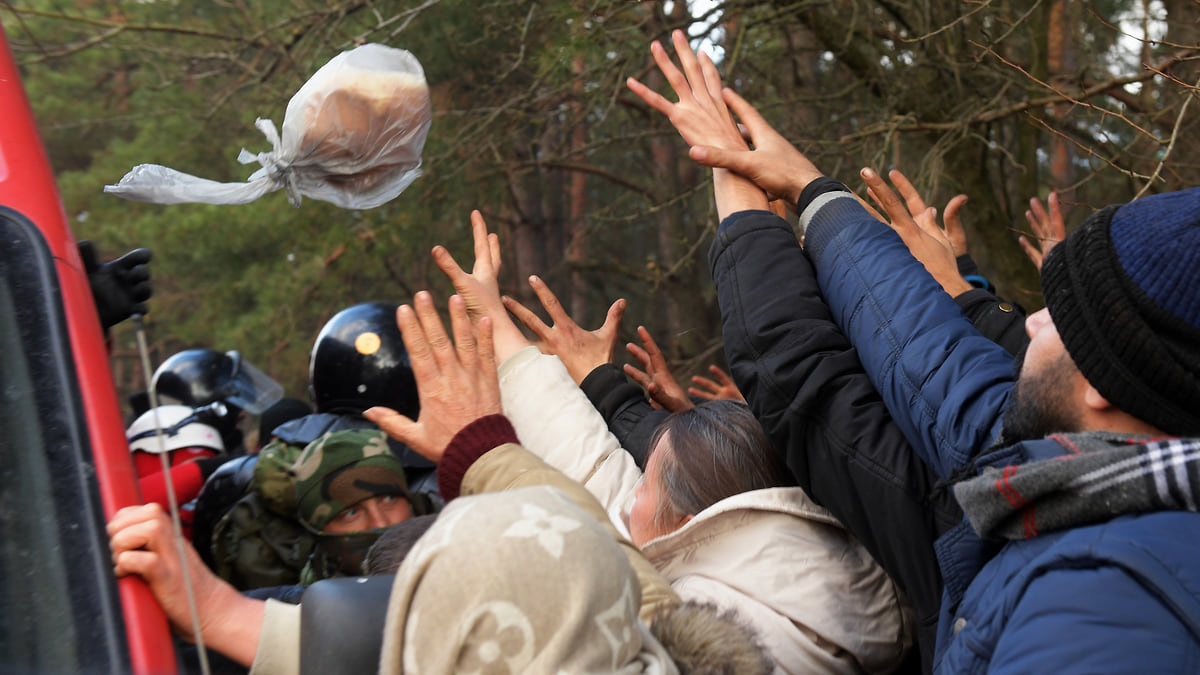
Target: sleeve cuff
point(734, 217)
point(469, 444)
point(817, 188)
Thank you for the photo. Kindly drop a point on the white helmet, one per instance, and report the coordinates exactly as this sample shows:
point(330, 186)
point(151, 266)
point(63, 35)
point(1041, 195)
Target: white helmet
point(182, 428)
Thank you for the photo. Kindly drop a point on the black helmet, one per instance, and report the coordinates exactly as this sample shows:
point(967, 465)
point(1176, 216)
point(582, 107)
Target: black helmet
point(223, 488)
point(197, 377)
point(359, 361)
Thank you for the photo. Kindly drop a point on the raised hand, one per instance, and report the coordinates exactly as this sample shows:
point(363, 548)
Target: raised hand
point(917, 226)
point(581, 351)
point(480, 290)
point(702, 117)
point(120, 287)
point(926, 216)
point(655, 378)
point(456, 380)
point(1047, 227)
point(722, 387)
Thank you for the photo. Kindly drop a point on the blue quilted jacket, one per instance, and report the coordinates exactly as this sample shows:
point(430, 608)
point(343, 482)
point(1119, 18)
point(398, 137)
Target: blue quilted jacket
point(1122, 595)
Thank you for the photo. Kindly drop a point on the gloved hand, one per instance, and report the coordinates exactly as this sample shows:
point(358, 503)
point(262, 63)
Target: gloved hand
point(120, 287)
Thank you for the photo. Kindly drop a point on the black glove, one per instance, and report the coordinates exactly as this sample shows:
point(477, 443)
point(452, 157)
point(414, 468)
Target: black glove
point(120, 287)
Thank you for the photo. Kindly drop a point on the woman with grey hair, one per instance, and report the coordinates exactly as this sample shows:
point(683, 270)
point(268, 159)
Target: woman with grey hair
point(715, 513)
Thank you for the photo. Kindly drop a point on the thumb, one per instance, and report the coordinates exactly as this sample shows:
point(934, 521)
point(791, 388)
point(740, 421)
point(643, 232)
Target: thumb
point(615, 313)
point(392, 423)
point(87, 251)
point(737, 161)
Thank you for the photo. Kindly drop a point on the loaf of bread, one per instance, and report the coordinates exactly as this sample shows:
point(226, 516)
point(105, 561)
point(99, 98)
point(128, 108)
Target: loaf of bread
point(369, 120)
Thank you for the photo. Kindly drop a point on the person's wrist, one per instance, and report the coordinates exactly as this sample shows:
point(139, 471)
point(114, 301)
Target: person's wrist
point(956, 286)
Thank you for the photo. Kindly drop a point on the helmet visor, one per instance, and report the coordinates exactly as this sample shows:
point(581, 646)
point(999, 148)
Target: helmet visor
point(248, 387)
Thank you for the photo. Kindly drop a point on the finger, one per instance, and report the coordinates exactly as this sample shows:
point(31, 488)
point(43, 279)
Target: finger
point(651, 97)
point(483, 248)
point(440, 346)
point(527, 317)
point(1057, 228)
point(420, 357)
point(756, 125)
point(550, 302)
point(446, 263)
point(1033, 252)
point(700, 393)
point(150, 535)
point(952, 216)
point(145, 564)
point(721, 374)
point(927, 220)
point(687, 59)
point(392, 423)
point(1036, 215)
point(487, 360)
point(912, 198)
point(897, 212)
point(135, 275)
point(705, 382)
point(712, 83)
point(652, 350)
point(464, 334)
point(641, 356)
point(738, 161)
point(952, 220)
point(637, 375)
point(674, 76)
point(130, 515)
point(494, 245)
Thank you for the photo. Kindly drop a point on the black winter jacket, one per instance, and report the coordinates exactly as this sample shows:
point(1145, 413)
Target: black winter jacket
point(804, 382)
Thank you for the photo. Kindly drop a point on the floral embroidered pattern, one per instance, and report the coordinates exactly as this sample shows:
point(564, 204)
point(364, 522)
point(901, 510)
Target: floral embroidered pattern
point(500, 641)
point(542, 525)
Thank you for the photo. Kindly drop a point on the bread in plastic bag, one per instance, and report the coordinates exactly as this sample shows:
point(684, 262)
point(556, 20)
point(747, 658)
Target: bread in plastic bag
point(352, 136)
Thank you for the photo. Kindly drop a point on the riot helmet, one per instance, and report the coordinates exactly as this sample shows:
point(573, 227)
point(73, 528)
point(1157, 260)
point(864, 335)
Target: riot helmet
point(359, 361)
point(197, 377)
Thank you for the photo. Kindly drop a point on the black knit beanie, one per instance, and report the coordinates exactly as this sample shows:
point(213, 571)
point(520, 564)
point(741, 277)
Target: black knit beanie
point(1124, 294)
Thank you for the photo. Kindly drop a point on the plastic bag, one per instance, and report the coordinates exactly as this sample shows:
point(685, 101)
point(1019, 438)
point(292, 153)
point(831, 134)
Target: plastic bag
point(352, 136)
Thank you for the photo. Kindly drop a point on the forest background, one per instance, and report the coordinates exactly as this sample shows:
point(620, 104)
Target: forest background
point(1002, 100)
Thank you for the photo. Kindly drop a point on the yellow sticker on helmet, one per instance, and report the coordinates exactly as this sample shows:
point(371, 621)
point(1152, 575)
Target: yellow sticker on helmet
point(367, 343)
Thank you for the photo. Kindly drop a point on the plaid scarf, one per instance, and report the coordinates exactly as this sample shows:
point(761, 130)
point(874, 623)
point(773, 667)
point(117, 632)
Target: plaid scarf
point(1102, 476)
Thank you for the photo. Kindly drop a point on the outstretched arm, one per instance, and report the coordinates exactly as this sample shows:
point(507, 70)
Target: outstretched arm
point(702, 116)
point(456, 380)
point(480, 290)
point(581, 351)
point(588, 357)
point(943, 252)
point(461, 428)
point(143, 543)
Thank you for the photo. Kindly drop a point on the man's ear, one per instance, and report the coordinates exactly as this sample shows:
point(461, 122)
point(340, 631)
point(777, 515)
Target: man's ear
point(1094, 400)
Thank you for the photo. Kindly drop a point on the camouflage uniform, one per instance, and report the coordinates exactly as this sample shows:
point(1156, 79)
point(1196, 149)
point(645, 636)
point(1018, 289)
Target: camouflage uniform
point(341, 469)
point(273, 535)
point(335, 472)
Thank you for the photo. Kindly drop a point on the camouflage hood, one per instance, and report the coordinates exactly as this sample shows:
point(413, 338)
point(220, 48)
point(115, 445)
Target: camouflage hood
point(342, 468)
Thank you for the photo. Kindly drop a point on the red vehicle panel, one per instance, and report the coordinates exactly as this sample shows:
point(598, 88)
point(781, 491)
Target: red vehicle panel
point(85, 404)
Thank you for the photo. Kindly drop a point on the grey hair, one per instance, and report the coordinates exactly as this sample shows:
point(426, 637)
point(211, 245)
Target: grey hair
point(717, 449)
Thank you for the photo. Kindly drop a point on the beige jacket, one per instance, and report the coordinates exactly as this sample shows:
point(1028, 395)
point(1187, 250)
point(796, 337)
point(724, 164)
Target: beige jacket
point(506, 467)
point(817, 599)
